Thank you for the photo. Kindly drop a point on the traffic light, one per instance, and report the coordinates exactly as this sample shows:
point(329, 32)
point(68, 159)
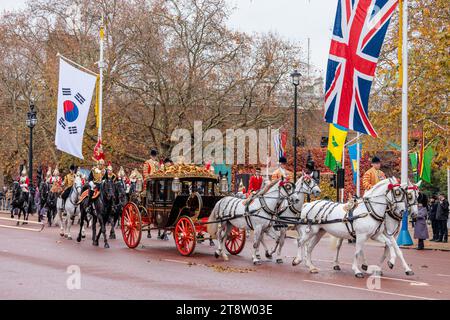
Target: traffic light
point(333, 181)
point(316, 176)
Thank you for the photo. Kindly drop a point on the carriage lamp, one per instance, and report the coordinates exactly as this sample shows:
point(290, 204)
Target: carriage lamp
point(223, 185)
point(176, 185)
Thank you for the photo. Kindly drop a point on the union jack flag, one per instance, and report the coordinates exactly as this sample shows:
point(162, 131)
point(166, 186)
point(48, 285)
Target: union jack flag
point(358, 35)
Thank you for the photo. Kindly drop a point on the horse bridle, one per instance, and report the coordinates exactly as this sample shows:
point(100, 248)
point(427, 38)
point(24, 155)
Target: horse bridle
point(396, 191)
point(310, 186)
point(288, 188)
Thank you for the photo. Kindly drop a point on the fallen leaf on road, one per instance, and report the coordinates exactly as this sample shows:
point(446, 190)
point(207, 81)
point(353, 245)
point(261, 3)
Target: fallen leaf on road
point(227, 269)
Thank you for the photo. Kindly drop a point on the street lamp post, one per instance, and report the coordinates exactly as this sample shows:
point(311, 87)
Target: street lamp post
point(31, 123)
point(295, 81)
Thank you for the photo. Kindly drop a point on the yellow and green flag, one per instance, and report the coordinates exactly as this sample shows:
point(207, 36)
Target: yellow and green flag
point(421, 163)
point(425, 169)
point(336, 142)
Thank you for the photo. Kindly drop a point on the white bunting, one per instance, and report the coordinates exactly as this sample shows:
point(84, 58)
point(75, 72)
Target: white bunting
point(75, 92)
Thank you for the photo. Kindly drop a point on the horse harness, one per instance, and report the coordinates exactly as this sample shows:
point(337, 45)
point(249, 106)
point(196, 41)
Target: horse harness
point(233, 204)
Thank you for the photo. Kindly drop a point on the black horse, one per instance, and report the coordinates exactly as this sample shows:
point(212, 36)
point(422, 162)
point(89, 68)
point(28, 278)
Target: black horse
point(44, 190)
point(96, 207)
point(20, 202)
point(120, 199)
point(51, 203)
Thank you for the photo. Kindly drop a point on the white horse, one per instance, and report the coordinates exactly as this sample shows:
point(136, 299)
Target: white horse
point(321, 217)
point(257, 215)
point(393, 222)
point(306, 185)
point(67, 212)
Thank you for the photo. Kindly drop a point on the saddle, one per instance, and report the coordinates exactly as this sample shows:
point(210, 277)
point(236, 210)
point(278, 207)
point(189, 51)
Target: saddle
point(350, 206)
point(86, 194)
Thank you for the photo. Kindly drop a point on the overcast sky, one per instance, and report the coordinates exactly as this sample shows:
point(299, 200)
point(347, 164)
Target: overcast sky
point(295, 20)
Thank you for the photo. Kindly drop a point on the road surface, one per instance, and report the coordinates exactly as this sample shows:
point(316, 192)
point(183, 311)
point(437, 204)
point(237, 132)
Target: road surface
point(35, 266)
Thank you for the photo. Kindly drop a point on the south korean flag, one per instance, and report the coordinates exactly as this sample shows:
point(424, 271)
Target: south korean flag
point(75, 92)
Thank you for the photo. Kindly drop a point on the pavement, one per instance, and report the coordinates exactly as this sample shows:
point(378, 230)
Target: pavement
point(42, 265)
point(429, 245)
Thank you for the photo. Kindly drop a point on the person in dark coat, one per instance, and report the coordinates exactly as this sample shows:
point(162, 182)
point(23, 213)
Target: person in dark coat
point(442, 217)
point(432, 218)
point(420, 227)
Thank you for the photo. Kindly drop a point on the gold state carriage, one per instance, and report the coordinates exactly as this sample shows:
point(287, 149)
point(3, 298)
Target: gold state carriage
point(180, 199)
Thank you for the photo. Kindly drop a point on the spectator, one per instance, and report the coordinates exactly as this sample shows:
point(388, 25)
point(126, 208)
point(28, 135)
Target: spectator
point(432, 217)
point(420, 227)
point(442, 217)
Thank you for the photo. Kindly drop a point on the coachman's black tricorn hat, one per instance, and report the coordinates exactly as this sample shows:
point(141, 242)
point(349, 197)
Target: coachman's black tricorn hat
point(154, 152)
point(376, 160)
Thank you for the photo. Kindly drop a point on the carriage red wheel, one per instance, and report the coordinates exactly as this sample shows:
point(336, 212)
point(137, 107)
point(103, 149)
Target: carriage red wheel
point(131, 225)
point(235, 241)
point(185, 236)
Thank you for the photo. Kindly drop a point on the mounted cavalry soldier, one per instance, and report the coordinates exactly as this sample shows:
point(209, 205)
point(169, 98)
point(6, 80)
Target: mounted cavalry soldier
point(48, 176)
point(109, 174)
point(69, 179)
point(24, 182)
point(96, 177)
point(121, 177)
point(56, 182)
point(282, 173)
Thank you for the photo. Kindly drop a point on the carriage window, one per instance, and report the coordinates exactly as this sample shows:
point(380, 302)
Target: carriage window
point(150, 187)
point(200, 187)
point(211, 188)
point(186, 188)
point(160, 190)
point(169, 196)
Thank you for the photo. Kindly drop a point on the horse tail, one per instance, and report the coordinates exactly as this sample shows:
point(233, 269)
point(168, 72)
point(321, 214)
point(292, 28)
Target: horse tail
point(211, 228)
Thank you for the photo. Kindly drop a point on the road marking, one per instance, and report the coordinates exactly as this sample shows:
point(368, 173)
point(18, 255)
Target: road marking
point(176, 261)
point(373, 291)
point(443, 275)
point(412, 282)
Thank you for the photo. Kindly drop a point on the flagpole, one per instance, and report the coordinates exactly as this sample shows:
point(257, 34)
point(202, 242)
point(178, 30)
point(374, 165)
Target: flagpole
point(404, 238)
point(358, 160)
point(342, 190)
point(269, 140)
point(404, 160)
point(101, 65)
